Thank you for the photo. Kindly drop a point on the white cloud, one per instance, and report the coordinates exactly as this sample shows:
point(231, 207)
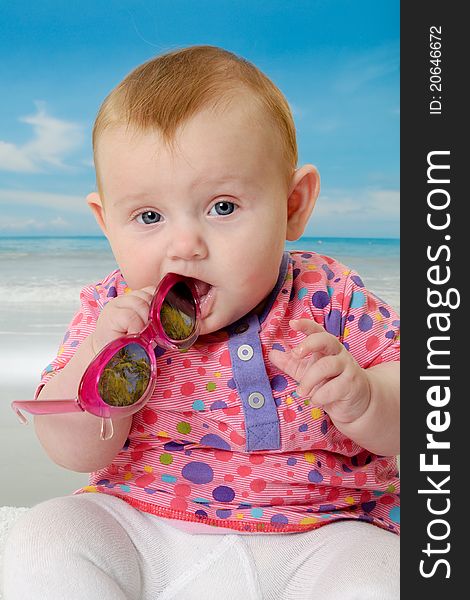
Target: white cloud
point(385, 203)
point(52, 140)
point(362, 69)
point(59, 223)
point(13, 158)
point(13, 198)
point(366, 203)
point(19, 225)
point(361, 212)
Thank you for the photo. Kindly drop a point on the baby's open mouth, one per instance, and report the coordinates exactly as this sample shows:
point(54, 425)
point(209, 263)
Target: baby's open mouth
point(206, 295)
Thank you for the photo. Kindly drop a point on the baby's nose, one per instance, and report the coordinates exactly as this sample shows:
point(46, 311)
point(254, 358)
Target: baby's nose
point(186, 243)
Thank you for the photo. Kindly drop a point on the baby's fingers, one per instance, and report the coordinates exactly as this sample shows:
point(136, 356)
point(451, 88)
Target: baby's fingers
point(306, 326)
point(323, 343)
point(324, 370)
point(137, 303)
point(132, 320)
point(145, 294)
point(285, 361)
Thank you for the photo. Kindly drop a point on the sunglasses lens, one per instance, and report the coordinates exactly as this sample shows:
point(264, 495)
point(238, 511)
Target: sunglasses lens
point(178, 312)
point(126, 376)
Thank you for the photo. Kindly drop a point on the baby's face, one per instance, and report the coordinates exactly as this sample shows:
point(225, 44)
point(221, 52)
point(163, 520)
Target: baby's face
point(215, 209)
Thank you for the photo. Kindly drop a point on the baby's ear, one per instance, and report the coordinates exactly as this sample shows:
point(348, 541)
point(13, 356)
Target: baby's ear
point(94, 202)
point(303, 193)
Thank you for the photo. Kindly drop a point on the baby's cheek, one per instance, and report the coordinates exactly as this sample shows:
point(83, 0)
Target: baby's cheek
point(259, 281)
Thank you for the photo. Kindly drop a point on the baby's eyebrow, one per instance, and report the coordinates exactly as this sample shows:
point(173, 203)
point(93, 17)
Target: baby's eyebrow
point(217, 179)
point(206, 180)
point(239, 182)
point(125, 199)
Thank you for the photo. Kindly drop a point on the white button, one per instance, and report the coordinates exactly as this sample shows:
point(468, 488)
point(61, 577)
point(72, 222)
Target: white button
point(245, 352)
point(256, 400)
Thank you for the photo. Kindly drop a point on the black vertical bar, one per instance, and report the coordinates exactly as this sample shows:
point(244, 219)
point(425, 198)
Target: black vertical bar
point(434, 252)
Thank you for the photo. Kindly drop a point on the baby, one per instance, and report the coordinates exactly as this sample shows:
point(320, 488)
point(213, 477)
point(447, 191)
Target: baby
point(263, 466)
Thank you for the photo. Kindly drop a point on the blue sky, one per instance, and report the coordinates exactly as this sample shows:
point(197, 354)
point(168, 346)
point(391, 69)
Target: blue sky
point(336, 61)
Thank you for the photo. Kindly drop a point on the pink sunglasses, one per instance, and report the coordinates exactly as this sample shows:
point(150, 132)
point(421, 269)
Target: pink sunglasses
point(122, 376)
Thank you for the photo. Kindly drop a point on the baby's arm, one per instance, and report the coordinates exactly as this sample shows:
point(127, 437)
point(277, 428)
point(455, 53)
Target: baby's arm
point(73, 440)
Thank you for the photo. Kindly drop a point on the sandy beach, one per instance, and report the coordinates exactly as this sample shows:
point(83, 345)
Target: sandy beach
point(28, 475)
point(39, 293)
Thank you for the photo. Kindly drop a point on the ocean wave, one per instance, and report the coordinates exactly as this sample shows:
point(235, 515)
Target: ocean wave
point(53, 295)
point(15, 367)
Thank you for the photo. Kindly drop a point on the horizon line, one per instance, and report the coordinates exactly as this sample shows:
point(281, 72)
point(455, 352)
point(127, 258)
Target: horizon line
point(102, 237)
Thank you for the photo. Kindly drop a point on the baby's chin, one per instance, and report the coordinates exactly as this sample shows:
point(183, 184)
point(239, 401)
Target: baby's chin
point(212, 327)
point(215, 326)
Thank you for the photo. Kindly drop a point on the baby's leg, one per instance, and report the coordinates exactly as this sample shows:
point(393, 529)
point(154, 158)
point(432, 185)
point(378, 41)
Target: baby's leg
point(72, 547)
point(350, 560)
point(98, 546)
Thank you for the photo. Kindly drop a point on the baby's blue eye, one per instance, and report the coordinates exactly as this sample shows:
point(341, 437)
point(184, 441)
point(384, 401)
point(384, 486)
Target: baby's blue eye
point(224, 208)
point(149, 217)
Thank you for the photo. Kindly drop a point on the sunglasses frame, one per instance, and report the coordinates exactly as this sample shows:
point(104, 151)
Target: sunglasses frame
point(88, 398)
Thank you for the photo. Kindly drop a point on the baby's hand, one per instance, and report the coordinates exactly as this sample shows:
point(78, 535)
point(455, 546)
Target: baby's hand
point(326, 372)
point(122, 315)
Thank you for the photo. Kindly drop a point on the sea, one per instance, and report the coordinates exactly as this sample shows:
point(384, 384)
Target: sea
point(40, 282)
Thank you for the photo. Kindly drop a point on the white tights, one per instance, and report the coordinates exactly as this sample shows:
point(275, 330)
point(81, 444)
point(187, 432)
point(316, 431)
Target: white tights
point(98, 546)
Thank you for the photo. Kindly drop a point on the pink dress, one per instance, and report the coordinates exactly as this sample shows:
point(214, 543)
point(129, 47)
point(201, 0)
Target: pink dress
point(225, 439)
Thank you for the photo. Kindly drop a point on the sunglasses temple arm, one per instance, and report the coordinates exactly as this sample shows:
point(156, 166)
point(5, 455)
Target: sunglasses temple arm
point(44, 407)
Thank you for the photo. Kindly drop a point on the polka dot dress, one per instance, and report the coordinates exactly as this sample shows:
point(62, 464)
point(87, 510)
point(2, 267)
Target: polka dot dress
point(187, 453)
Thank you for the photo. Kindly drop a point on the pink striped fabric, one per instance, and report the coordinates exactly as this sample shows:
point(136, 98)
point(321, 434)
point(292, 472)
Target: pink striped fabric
point(185, 457)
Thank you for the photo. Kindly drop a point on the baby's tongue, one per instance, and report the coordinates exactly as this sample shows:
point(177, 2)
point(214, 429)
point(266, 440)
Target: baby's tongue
point(202, 287)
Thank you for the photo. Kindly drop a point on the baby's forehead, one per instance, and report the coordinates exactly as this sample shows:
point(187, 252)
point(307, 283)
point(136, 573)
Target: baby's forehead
point(241, 111)
point(233, 139)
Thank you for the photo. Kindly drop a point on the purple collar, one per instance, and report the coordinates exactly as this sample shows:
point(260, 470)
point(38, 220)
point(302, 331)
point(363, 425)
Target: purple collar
point(277, 288)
